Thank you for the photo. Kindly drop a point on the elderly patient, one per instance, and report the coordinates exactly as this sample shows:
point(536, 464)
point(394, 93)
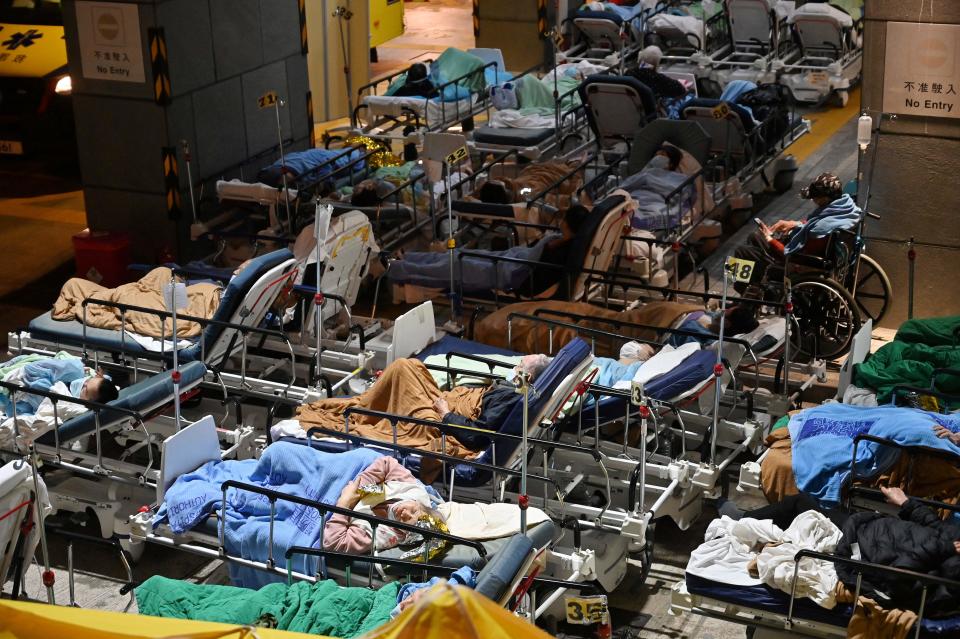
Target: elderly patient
point(61, 374)
point(407, 388)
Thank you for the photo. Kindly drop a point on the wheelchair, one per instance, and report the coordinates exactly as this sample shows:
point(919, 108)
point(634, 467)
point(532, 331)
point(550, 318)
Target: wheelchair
point(832, 293)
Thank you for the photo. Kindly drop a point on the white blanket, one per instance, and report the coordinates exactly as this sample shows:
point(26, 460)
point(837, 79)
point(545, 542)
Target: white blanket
point(842, 18)
point(663, 362)
point(34, 425)
point(730, 546)
point(486, 521)
point(689, 25)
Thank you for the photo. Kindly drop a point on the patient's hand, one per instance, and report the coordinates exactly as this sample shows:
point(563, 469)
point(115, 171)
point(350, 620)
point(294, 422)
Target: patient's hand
point(783, 226)
point(894, 495)
point(349, 497)
point(956, 547)
point(441, 406)
point(945, 433)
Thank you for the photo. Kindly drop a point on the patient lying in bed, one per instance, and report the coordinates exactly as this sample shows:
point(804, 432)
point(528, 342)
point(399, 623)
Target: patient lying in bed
point(407, 388)
point(388, 490)
point(62, 374)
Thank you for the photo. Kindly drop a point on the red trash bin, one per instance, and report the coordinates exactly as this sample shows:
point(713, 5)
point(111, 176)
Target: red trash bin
point(102, 257)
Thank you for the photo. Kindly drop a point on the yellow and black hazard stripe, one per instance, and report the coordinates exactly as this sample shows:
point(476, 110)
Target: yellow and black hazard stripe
point(160, 65)
point(542, 18)
point(302, 4)
point(313, 133)
point(171, 181)
point(476, 18)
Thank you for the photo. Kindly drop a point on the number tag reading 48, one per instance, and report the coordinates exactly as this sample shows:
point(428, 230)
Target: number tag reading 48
point(740, 270)
point(587, 610)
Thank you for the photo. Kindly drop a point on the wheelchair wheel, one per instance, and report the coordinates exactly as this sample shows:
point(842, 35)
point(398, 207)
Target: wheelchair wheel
point(873, 290)
point(828, 318)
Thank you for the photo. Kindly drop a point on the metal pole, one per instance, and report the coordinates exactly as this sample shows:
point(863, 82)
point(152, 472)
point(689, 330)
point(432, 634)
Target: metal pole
point(788, 316)
point(912, 262)
point(283, 168)
point(523, 500)
point(175, 374)
point(49, 578)
point(718, 369)
point(318, 296)
point(451, 242)
point(186, 158)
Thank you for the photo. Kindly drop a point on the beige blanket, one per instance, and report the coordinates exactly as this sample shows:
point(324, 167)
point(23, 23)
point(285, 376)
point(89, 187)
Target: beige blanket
point(405, 388)
point(532, 337)
point(146, 292)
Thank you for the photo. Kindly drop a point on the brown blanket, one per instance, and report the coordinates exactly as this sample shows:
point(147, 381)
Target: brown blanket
point(405, 388)
point(871, 621)
point(532, 337)
point(939, 479)
point(541, 175)
point(146, 292)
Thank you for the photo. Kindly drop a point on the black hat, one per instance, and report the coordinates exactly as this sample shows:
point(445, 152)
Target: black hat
point(416, 73)
point(824, 185)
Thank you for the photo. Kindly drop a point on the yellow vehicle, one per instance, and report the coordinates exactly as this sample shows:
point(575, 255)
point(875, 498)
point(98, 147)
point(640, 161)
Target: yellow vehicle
point(36, 113)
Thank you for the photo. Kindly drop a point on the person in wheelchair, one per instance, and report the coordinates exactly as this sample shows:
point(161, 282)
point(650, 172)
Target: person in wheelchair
point(771, 245)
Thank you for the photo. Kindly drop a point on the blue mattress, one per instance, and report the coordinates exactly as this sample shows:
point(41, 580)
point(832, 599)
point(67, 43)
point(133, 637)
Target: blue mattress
point(764, 597)
point(71, 332)
point(141, 396)
point(451, 344)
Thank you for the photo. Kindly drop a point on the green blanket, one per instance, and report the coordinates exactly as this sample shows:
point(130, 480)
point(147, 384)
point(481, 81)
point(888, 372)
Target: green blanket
point(912, 364)
point(323, 608)
point(936, 331)
point(454, 63)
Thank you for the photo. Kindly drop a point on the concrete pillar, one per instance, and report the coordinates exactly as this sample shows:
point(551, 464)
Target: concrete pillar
point(325, 58)
point(915, 185)
point(202, 67)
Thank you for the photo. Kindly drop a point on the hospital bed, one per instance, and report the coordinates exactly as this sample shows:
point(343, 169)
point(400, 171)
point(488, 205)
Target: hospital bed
point(761, 42)
point(243, 306)
point(85, 475)
point(503, 563)
point(831, 58)
point(385, 116)
point(775, 613)
point(23, 504)
point(610, 35)
point(691, 38)
point(617, 107)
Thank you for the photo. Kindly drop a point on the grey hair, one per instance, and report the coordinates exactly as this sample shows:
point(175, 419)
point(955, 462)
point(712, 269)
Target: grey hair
point(651, 55)
point(538, 366)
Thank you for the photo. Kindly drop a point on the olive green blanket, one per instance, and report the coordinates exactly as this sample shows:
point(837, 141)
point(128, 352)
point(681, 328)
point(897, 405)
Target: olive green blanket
point(324, 608)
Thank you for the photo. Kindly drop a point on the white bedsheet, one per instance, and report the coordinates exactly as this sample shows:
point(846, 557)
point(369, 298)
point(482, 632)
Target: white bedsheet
point(34, 425)
point(432, 111)
point(663, 362)
point(729, 546)
point(155, 345)
point(685, 24)
point(517, 119)
point(842, 18)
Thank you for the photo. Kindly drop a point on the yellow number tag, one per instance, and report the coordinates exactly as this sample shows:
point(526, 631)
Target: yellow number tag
point(720, 111)
point(457, 156)
point(740, 270)
point(636, 393)
point(587, 610)
point(267, 100)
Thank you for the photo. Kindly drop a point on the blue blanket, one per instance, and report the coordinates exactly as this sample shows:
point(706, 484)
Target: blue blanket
point(42, 374)
point(822, 441)
point(842, 213)
point(479, 274)
point(288, 468)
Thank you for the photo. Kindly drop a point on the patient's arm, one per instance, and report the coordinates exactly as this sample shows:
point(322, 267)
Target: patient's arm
point(340, 534)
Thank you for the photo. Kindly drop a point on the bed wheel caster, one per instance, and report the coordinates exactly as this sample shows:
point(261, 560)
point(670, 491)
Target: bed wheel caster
point(840, 98)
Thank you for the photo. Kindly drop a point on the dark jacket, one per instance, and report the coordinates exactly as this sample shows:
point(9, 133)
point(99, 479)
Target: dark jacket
point(663, 86)
point(494, 409)
point(917, 540)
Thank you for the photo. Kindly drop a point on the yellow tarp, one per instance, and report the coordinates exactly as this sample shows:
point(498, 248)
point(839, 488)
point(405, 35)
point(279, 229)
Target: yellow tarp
point(456, 612)
point(22, 620)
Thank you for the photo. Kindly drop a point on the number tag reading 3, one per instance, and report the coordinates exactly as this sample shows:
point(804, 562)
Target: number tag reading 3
point(587, 610)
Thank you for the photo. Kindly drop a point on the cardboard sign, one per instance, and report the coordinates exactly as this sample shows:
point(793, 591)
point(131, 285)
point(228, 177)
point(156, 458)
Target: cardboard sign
point(740, 270)
point(586, 611)
point(176, 296)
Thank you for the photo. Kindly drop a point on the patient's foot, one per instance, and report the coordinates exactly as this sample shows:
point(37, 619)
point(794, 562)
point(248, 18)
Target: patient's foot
point(728, 508)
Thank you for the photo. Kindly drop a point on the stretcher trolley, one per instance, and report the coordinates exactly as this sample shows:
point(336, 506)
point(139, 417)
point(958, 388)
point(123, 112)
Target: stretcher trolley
point(831, 54)
point(762, 42)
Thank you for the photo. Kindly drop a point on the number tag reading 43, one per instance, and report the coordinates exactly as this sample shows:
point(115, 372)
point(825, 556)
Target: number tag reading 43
point(587, 610)
point(740, 270)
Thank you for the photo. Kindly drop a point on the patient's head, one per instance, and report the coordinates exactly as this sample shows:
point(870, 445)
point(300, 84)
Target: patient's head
point(98, 389)
point(739, 320)
point(365, 194)
point(573, 220)
point(650, 57)
point(410, 511)
point(495, 192)
point(673, 154)
point(533, 365)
